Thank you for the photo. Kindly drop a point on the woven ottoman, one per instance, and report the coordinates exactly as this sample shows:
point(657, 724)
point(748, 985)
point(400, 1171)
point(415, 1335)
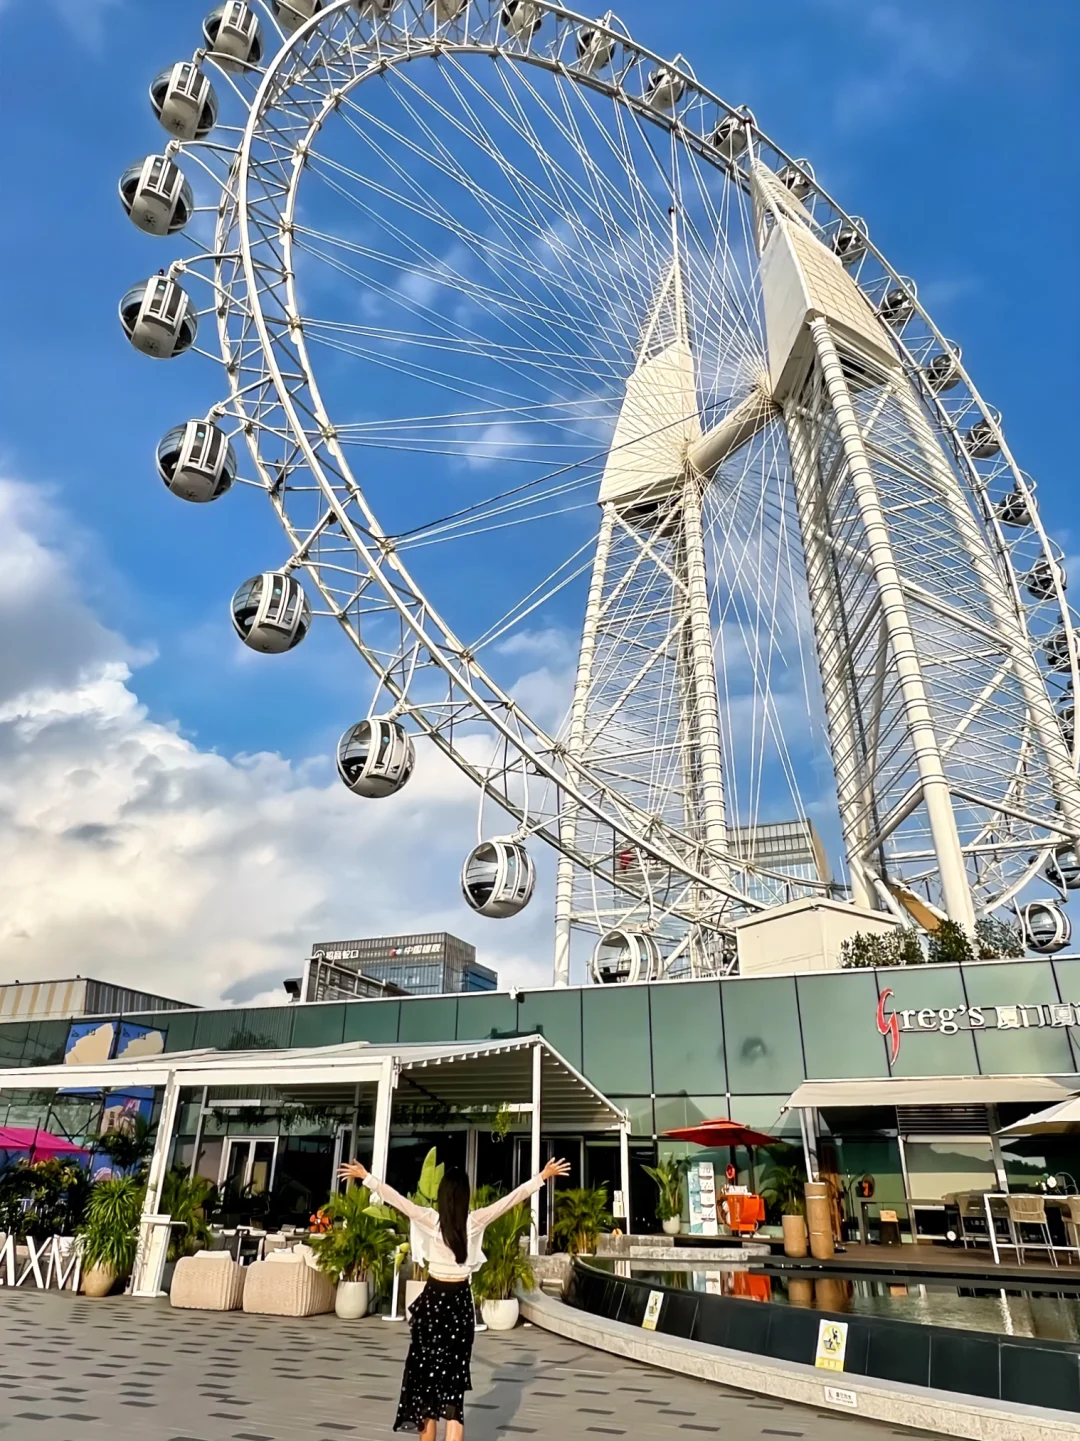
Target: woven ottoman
point(207, 1281)
point(286, 1284)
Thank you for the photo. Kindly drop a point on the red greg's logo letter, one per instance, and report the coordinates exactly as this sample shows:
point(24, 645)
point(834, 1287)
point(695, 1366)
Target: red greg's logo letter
point(889, 1026)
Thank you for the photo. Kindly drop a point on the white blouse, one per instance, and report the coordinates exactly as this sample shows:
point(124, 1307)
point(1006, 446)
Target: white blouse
point(426, 1243)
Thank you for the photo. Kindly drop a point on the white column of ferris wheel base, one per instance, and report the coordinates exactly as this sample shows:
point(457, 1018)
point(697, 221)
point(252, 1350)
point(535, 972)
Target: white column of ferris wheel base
point(658, 428)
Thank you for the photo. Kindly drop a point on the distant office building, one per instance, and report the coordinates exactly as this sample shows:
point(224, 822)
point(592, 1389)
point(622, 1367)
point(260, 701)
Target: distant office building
point(45, 1000)
point(428, 965)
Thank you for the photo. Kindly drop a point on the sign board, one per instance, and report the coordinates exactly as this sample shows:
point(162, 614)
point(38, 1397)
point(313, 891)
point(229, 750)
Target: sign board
point(701, 1198)
point(618, 1206)
point(952, 1020)
point(652, 1310)
point(837, 1396)
point(831, 1345)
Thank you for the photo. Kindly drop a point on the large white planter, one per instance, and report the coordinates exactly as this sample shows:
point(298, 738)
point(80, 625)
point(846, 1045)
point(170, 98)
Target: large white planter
point(412, 1295)
point(500, 1315)
point(672, 1226)
point(351, 1300)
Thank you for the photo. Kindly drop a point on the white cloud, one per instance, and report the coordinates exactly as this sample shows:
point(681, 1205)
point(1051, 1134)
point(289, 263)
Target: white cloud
point(128, 853)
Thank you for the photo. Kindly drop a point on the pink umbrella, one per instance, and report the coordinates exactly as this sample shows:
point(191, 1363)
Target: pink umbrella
point(40, 1144)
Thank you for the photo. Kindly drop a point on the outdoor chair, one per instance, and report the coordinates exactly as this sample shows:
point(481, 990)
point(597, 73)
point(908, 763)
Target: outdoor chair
point(972, 1217)
point(1071, 1217)
point(287, 1283)
point(207, 1281)
point(1030, 1211)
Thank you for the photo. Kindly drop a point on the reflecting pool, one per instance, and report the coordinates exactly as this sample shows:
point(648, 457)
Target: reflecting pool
point(1049, 1315)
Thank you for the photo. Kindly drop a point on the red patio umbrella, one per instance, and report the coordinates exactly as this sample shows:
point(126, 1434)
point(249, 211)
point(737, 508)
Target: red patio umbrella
point(724, 1132)
point(721, 1132)
point(40, 1144)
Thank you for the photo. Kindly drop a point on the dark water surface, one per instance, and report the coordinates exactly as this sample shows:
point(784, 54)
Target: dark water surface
point(1049, 1315)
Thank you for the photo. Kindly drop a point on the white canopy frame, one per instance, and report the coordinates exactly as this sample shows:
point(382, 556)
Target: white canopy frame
point(524, 1072)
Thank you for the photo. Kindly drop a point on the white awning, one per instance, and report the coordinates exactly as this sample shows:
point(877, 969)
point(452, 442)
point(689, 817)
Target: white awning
point(463, 1074)
point(1054, 1121)
point(930, 1091)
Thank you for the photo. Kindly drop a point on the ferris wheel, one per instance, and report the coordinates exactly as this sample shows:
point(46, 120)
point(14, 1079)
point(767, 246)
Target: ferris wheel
point(646, 488)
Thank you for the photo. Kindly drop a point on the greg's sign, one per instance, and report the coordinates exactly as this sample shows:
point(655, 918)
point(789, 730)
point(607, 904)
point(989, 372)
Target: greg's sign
point(951, 1020)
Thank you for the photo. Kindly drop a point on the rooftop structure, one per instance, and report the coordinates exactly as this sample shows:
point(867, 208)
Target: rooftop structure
point(82, 996)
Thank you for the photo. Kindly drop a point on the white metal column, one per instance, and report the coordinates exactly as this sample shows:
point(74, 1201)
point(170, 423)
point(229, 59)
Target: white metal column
point(534, 1151)
point(159, 1161)
point(624, 1174)
point(564, 881)
point(154, 1230)
point(853, 788)
point(706, 703)
point(937, 796)
point(383, 1104)
point(809, 1142)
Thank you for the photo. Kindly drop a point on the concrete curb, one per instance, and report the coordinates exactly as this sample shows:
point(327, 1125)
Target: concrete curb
point(945, 1413)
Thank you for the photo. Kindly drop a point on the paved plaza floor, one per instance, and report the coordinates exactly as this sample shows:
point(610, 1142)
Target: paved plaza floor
point(122, 1370)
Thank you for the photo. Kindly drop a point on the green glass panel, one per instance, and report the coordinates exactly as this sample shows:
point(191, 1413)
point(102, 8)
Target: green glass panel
point(13, 1042)
point(767, 1114)
point(179, 1029)
point(45, 1043)
point(322, 1025)
point(615, 1023)
point(839, 1031)
point(1030, 1050)
point(429, 1018)
point(761, 1031)
point(555, 1015)
point(254, 1030)
point(687, 1036)
point(483, 1018)
point(374, 1021)
point(671, 1112)
point(640, 1111)
point(924, 1050)
point(1068, 980)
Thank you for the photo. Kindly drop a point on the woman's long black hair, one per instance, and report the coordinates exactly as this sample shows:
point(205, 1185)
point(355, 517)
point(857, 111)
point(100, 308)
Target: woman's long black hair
point(454, 1197)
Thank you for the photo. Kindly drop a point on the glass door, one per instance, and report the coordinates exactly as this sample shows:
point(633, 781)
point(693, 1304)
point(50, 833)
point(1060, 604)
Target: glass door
point(248, 1164)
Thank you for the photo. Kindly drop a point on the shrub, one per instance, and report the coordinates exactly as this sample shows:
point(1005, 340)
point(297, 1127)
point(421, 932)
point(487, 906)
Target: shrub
point(580, 1216)
point(187, 1199)
point(506, 1266)
point(894, 948)
point(668, 1176)
point(359, 1245)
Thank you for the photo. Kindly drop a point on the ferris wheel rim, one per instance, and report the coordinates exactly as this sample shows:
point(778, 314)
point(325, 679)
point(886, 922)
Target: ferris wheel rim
point(540, 740)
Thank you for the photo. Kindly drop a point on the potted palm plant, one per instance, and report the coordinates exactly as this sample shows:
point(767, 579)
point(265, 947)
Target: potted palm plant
point(357, 1251)
point(783, 1187)
point(186, 1200)
point(506, 1267)
point(109, 1237)
point(581, 1214)
point(668, 1173)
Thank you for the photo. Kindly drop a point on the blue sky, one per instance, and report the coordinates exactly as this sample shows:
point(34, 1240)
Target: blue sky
point(947, 127)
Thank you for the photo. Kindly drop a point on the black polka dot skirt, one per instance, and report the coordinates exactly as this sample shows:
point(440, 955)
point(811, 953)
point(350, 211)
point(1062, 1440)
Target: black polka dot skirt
point(437, 1366)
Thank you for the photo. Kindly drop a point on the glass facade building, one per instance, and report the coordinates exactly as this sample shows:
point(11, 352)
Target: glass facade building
point(423, 965)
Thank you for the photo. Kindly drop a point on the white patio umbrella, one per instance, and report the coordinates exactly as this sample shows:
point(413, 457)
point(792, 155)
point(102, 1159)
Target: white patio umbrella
point(1054, 1121)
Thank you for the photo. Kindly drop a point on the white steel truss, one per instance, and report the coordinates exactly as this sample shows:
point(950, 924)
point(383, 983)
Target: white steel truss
point(650, 305)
